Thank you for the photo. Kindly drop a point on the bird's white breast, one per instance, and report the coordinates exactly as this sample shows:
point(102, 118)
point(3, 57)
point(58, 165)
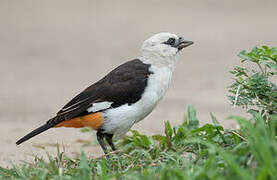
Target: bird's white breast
point(119, 120)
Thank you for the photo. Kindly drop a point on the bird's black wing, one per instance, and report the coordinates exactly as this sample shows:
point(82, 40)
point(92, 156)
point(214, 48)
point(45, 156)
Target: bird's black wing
point(125, 84)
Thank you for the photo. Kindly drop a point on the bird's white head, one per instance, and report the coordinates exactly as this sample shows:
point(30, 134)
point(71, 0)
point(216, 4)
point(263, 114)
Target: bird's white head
point(162, 49)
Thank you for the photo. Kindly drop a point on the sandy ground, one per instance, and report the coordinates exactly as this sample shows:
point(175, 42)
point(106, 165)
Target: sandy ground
point(51, 50)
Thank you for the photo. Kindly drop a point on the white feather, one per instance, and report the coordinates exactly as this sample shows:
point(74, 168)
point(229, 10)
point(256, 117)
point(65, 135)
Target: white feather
point(119, 120)
point(162, 59)
point(99, 106)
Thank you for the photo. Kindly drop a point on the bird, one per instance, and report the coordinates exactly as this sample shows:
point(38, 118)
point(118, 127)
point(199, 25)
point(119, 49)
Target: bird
point(125, 96)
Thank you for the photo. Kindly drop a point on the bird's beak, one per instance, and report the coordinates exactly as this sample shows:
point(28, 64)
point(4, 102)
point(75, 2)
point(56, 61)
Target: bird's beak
point(183, 43)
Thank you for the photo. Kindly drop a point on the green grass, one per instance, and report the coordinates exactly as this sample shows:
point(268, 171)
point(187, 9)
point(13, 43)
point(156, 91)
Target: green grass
point(186, 151)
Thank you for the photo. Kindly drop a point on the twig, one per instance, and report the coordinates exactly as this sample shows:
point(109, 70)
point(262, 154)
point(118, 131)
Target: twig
point(107, 155)
point(239, 135)
point(237, 95)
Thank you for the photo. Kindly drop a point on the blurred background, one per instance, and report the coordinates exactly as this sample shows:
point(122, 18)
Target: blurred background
point(51, 50)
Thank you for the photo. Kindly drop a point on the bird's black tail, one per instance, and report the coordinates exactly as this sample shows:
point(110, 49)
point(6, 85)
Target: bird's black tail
point(35, 132)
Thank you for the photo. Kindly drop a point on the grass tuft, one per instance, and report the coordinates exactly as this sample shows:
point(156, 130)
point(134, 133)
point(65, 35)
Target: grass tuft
point(186, 151)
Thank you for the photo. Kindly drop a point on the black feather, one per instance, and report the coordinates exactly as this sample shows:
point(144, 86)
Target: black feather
point(124, 85)
point(34, 133)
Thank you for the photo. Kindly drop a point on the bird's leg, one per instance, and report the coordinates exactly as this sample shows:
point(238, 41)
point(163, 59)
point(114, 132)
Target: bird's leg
point(100, 138)
point(109, 138)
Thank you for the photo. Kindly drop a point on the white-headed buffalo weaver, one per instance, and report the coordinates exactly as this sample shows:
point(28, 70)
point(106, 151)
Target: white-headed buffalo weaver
point(125, 96)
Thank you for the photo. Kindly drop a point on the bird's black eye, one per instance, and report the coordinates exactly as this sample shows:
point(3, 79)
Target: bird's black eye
point(170, 41)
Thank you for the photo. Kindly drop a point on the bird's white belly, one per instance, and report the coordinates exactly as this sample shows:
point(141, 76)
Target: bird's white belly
point(119, 120)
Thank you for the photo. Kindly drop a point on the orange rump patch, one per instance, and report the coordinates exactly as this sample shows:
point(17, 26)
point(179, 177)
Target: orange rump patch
point(94, 121)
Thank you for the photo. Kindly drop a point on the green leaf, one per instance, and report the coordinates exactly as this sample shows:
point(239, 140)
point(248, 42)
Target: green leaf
point(168, 129)
point(86, 129)
point(193, 122)
point(85, 171)
point(217, 126)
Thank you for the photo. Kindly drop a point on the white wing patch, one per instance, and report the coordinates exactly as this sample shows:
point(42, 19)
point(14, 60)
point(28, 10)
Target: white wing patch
point(99, 106)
